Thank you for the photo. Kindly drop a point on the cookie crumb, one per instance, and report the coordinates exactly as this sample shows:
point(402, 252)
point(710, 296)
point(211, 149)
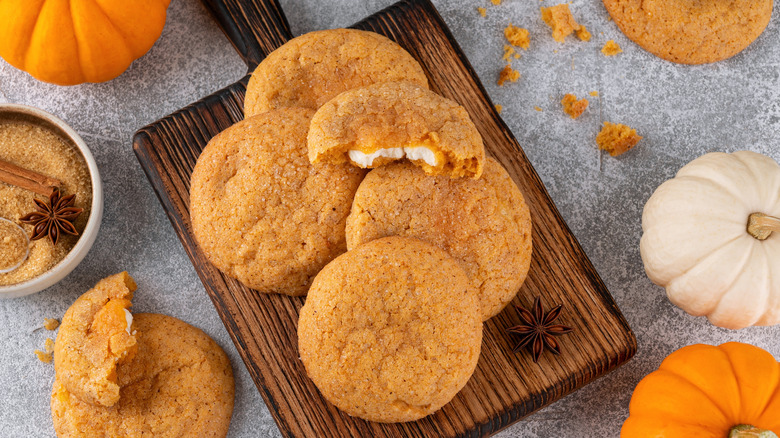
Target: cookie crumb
point(43, 357)
point(508, 52)
point(49, 345)
point(482, 11)
point(594, 93)
point(562, 23)
point(50, 324)
point(583, 34)
point(573, 107)
point(496, 2)
point(499, 108)
point(617, 138)
point(538, 108)
point(508, 74)
point(517, 36)
point(611, 48)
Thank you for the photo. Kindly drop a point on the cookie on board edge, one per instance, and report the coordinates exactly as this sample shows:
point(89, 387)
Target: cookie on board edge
point(261, 213)
point(390, 331)
point(309, 70)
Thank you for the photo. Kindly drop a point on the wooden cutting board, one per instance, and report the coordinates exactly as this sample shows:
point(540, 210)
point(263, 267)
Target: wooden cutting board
point(506, 386)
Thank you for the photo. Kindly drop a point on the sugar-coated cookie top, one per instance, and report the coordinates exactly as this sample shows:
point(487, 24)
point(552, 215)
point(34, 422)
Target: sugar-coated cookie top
point(309, 70)
point(390, 331)
point(380, 123)
point(261, 212)
point(178, 385)
point(691, 32)
point(484, 224)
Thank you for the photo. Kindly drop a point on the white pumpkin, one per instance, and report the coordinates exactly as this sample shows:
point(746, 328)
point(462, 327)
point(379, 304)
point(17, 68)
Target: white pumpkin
point(697, 245)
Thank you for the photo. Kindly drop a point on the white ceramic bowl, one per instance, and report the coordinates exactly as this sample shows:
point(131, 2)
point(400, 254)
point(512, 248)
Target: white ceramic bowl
point(87, 238)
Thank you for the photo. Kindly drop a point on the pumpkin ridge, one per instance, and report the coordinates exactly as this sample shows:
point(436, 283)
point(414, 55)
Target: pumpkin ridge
point(125, 37)
point(700, 179)
point(699, 390)
point(743, 268)
point(30, 36)
point(72, 22)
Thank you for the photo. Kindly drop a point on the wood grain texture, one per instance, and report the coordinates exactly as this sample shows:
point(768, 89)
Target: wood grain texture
point(506, 386)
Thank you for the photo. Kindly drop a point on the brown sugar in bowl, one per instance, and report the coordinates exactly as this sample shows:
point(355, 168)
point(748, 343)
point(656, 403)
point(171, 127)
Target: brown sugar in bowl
point(93, 211)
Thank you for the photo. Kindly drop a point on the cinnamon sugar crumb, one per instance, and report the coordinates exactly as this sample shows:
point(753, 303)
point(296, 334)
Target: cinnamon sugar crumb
point(496, 2)
point(50, 324)
point(538, 108)
point(482, 11)
point(43, 357)
point(562, 23)
point(594, 93)
point(49, 345)
point(617, 138)
point(499, 108)
point(573, 107)
point(611, 48)
point(508, 74)
point(508, 52)
point(517, 36)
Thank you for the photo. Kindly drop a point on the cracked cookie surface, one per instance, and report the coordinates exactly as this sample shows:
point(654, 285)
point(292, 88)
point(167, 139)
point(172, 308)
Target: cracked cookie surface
point(484, 224)
point(390, 331)
point(261, 212)
point(309, 70)
point(175, 386)
point(375, 125)
point(691, 32)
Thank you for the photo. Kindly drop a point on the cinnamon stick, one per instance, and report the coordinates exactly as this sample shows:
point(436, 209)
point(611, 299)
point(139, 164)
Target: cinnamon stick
point(27, 179)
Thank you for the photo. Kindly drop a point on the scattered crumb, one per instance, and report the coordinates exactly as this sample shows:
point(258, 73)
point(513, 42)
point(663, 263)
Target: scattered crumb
point(508, 74)
point(617, 138)
point(537, 108)
point(43, 357)
point(49, 345)
point(594, 93)
point(583, 34)
point(50, 324)
point(573, 107)
point(508, 52)
point(517, 36)
point(496, 2)
point(611, 48)
point(499, 108)
point(562, 23)
point(517, 56)
point(482, 11)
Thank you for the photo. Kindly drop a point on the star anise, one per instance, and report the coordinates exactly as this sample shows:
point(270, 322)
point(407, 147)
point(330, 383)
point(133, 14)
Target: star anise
point(54, 217)
point(538, 330)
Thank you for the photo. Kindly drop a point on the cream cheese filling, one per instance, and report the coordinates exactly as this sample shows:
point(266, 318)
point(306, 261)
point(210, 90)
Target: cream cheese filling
point(129, 319)
point(413, 153)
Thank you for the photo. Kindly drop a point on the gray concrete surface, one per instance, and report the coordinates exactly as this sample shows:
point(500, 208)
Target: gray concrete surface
point(681, 111)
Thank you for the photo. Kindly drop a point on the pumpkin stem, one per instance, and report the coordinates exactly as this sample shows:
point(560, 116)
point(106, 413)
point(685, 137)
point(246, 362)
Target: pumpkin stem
point(761, 225)
point(748, 431)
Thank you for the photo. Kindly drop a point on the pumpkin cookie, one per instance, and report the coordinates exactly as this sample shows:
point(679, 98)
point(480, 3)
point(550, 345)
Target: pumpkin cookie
point(691, 32)
point(485, 224)
point(375, 125)
point(311, 69)
point(260, 212)
point(390, 331)
point(179, 384)
point(95, 336)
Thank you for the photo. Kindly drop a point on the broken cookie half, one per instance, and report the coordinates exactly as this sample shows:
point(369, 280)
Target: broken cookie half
point(95, 336)
point(375, 125)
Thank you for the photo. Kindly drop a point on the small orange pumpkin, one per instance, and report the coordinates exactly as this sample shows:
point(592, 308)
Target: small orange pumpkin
point(68, 42)
point(707, 391)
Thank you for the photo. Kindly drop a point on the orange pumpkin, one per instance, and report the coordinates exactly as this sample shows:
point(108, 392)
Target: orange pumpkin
point(68, 42)
point(705, 391)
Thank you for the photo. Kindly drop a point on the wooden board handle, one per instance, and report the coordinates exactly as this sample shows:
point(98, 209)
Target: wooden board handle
point(254, 27)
